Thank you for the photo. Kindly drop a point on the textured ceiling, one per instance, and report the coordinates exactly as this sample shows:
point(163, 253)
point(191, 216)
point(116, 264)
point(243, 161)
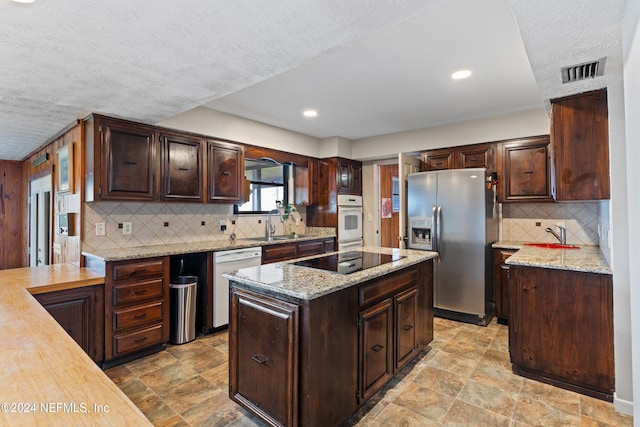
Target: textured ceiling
point(372, 65)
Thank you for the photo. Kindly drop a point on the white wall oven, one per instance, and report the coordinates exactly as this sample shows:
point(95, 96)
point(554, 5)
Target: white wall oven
point(350, 217)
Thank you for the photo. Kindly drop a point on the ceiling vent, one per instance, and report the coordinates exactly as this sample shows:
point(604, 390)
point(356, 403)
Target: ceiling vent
point(588, 70)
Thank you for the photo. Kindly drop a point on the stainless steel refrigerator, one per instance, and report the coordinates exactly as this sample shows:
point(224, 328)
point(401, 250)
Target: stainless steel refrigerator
point(453, 212)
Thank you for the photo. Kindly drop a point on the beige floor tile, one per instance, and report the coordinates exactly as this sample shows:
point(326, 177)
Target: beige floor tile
point(151, 363)
point(120, 374)
point(458, 365)
point(217, 410)
point(205, 360)
point(164, 379)
point(218, 376)
point(187, 350)
point(603, 411)
point(556, 397)
point(498, 358)
point(464, 414)
point(189, 393)
point(497, 376)
point(396, 416)
point(488, 397)
point(538, 413)
point(426, 402)
point(440, 381)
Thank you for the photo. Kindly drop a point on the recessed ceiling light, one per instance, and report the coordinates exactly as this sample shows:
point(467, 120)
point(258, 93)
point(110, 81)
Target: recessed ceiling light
point(310, 113)
point(462, 74)
point(23, 1)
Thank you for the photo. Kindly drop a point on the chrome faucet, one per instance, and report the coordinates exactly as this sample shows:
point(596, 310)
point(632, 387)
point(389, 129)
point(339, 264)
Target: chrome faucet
point(271, 229)
point(562, 237)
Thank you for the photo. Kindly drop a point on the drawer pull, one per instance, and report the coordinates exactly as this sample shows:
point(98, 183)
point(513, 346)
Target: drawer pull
point(139, 340)
point(131, 163)
point(408, 327)
point(141, 291)
point(183, 169)
point(260, 358)
point(504, 266)
point(225, 173)
point(377, 347)
point(527, 171)
point(140, 316)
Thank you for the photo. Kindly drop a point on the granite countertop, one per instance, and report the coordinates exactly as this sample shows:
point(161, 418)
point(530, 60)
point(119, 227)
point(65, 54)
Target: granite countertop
point(306, 283)
point(137, 252)
point(587, 258)
point(42, 366)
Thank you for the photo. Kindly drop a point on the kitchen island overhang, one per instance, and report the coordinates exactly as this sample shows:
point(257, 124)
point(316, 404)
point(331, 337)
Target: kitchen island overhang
point(309, 347)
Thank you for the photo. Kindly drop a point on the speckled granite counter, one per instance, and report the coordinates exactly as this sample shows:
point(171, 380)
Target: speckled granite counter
point(307, 283)
point(137, 252)
point(587, 258)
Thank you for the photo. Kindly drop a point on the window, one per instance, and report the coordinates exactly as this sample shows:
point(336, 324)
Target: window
point(395, 193)
point(266, 186)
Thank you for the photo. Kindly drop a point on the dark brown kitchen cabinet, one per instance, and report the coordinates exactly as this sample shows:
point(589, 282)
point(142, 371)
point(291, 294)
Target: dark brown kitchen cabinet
point(460, 157)
point(501, 277)
point(561, 328)
point(181, 173)
point(524, 170)
point(306, 362)
point(136, 308)
point(580, 134)
point(348, 176)
point(80, 312)
point(120, 162)
point(225, 163)
point(286, 251)
point(263, 367)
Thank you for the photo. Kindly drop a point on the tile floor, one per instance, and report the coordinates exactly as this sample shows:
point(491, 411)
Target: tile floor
point(465, 379)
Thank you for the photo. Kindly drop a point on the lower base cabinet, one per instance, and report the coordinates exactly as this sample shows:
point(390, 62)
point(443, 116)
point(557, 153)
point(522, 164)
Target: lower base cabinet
point(561, 328)
point(314, 363)
point(80, 312)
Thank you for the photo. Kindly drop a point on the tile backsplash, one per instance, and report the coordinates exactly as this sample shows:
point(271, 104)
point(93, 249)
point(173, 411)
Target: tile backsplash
point(519, 221)
point(185, 223)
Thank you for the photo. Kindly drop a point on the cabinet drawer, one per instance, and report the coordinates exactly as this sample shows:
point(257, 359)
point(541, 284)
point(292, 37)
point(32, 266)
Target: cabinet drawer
point(137, 316)
point(389, 285)
point(310, 248)
point(126, 343)
point(139, 291)
point(138, 269)
point(277, 253)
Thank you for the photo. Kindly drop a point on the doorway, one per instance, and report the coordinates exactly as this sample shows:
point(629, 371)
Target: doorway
point(40, 221)
point(389, 206)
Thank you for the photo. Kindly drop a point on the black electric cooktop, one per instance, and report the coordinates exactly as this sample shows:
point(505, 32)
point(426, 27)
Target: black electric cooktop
point(349, 262)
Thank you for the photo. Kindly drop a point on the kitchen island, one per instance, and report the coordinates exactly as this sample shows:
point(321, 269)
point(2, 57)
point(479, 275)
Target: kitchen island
point(309, 346)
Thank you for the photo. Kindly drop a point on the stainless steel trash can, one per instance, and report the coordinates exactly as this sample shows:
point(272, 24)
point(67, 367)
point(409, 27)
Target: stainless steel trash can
point(182, 290)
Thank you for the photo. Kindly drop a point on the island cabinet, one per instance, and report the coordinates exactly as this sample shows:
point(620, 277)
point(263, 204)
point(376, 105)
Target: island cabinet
point(580, 133)
point(80, 312)
point(314, 362)
point(501, 279)
point(524, 170)
point(561, 328)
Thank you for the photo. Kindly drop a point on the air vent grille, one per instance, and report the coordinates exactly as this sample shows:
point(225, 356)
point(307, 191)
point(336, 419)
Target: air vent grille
point(588, 70)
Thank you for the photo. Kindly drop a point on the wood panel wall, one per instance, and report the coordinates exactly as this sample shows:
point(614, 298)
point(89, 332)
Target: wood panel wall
point(389, 227)
point(67, 248)
point(11, 202)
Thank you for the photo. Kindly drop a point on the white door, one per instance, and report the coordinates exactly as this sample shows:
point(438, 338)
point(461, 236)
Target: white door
point(406, 165)
point(40, 221)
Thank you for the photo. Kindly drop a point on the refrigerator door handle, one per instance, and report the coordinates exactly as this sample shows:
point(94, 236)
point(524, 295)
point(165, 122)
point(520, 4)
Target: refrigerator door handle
point(439, 231)
point(434, 230)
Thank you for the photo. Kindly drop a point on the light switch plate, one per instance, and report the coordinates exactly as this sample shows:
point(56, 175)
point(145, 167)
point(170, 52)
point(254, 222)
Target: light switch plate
point(126, 228)
point(100, 229)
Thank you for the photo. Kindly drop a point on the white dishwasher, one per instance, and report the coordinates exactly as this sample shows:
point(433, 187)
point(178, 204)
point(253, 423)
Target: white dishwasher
point(226, 262)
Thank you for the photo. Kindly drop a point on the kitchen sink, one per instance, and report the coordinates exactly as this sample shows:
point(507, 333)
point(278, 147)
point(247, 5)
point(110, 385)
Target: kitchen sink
point(552, 246)
point(272, 238)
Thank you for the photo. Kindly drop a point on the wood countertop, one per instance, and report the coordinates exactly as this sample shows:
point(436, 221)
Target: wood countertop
point(46, 378)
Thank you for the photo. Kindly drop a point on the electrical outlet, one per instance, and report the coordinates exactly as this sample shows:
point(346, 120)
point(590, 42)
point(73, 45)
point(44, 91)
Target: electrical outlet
point(100, 229)
point(223, 225)
point(126, 228)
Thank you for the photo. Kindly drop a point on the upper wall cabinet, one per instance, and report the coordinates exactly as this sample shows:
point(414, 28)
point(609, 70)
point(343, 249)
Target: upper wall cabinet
point(120, 160)
point(226, 171)
point(348, 176)
point(467, 156)
point(580, 130)
point(181, 161)
point(524, 170)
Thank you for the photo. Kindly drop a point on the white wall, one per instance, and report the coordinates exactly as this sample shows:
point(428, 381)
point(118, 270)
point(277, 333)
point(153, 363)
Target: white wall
point(218, 124)
point(631, 58)
point(495, 128)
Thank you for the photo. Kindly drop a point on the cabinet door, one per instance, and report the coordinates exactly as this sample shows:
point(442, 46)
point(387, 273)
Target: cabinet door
point(308, 248)
point(343, 177)
point(225, 169)
point(526, 171)
point(277, 253)
point(376, 353)
point(580, 127)
point(80, 312)
point(263, 368)
point(406, 309)
point(181, 168)
point(128, 161)
point(435, 160)
point(356, 179)
point(476, 156)
point(501, 274)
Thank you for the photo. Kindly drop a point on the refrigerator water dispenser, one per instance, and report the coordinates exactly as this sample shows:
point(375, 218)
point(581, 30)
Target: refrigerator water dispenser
point(420, 233)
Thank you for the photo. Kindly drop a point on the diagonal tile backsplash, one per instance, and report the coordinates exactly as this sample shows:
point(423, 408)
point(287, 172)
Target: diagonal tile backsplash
point(519, 221)
point(185, 223)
